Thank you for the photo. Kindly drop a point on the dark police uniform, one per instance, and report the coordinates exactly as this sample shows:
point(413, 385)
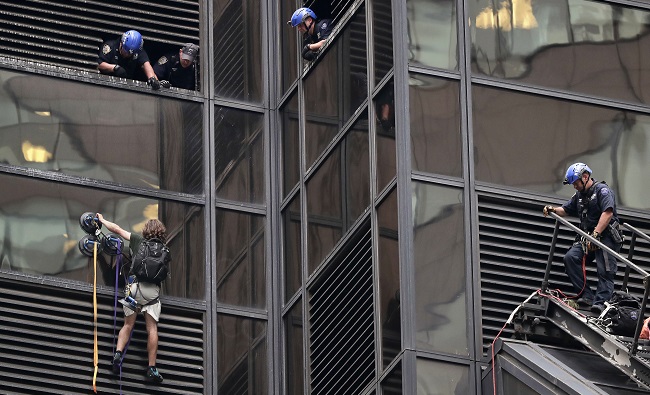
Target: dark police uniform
point(169, 68)
point(110, 53)
point(322, 30)
point(588, 207)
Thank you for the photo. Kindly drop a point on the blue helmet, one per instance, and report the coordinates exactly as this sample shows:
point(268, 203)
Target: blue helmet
point(132, 42)
point(575, 172)
point(300, 15)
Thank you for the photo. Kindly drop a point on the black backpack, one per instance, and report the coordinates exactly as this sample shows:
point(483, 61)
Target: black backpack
point(623, 314)
point(151, 261)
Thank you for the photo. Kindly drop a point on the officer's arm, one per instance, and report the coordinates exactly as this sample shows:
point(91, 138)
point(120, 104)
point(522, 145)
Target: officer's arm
point(106, 67)
point(316, 46)
point(115, 228)
point(148, 70)
point(560, 211)
point(605, 217)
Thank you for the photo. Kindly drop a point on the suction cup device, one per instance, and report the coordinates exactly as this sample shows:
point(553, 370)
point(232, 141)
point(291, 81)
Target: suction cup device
point(112, 244)
point(86, 245)
point(89, 223)
point(129, 303)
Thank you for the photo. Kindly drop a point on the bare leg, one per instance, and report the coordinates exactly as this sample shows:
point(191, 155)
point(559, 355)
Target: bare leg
point(125, 332)
point(152, 338)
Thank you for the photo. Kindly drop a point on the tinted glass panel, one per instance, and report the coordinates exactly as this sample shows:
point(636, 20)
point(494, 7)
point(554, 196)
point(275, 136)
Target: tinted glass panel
point(239, 155)
point(433, 37)
point(389, 310)
point(392, 384)
point(107, 134)
point(292, 248)
point(290, 144)
point(439, 256)
point(435, 125)
point(442, 378)
point(293, 340)
point(337, 194)
point(238, 49)
point(385, 129)
point(241, 269)
point(543, 136)
point(382, 20)
point(241, 356)
point(577, 45)
point(40, 232)
point(289, 37)
point(336, 87)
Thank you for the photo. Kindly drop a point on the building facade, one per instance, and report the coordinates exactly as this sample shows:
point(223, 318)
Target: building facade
point(360, 224)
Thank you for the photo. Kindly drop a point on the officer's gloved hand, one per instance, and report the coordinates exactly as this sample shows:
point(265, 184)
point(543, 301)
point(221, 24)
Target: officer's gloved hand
point(548, 209)
point(308, 54)
point(592, 246)
point(165, 84)
point(119, 71)
point(155, 84)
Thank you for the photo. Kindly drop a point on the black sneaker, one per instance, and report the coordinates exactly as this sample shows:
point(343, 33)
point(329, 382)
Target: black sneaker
point(117, 362)
point(153, 375)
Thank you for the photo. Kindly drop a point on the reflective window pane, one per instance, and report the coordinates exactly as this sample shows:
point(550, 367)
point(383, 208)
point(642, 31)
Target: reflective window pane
point(337, 86)
point(241, 264)
point(241, 355)
point(385, 141)
point(293, 330)
point(543, 136)
point(432, 33)
point(290, 145)
point(292, 248)
point(288, 44)
point(382, 21)
point(435, 125)
point(392, 384)
point(95, 132)
point(389, 279)
point(337, 194)
point(238, 49)
point(439, 257)
point(40, 232)
point(583, 46)
point(435, 377)
point(239, 155)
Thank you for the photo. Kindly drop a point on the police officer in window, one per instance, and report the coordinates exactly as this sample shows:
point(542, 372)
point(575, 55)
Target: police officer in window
point(122, 58)
point(178, 69)
point(315, 32)
point(595, 204)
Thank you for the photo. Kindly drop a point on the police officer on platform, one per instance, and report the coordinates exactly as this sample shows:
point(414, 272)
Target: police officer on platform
point(178, 69)
point(122, 58)
point(595, 204)
point(315, 32)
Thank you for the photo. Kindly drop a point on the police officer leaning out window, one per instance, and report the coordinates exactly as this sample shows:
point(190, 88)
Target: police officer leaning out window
point(124, 56)
point(178, 69)
point(315, 31)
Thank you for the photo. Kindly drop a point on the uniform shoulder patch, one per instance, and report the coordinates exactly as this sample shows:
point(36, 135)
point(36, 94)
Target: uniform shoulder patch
point(106, 49)
point(162, 60)
point(323, 25)
point(604, 191)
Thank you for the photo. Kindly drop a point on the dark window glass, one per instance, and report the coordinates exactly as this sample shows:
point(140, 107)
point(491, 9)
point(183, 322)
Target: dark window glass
point(435, 125)
point(292, 248)
point(389, 279)
point(241, 268)
point(239, 155)
point(392, 384)
point(436, 377)
point(337, 86)
point(293, 339)
point(385, 129)
point(439, 256)
point(290, 144)
point(242, 365)
point(288, 45)
point(238, 49)
point(432, 33)
point(107, 134)
point(577, 45)
point(40, 232)
point(337, 194)
point(528, 142)
point(382, 20)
